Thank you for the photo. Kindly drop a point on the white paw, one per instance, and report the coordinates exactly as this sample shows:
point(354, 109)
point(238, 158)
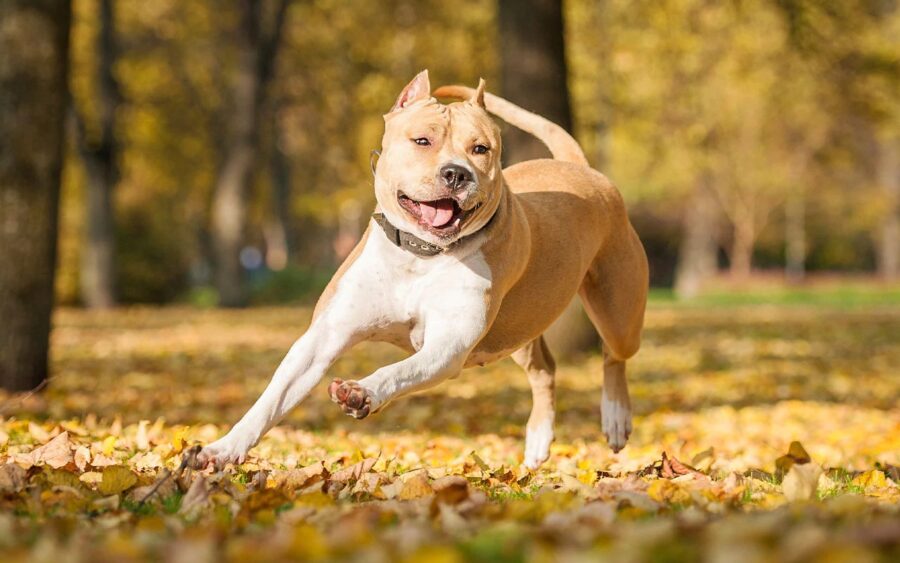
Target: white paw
point(537, 444)
point(615, 418)
point(222, 452)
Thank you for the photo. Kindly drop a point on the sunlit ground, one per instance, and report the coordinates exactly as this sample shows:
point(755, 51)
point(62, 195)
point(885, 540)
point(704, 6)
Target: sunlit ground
point(722, 388)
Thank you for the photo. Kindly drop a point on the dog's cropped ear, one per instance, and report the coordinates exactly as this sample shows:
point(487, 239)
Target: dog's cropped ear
point(478, 95)
point(418, 89)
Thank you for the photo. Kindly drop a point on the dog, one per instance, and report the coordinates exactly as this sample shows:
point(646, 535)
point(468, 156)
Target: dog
point(465, 263)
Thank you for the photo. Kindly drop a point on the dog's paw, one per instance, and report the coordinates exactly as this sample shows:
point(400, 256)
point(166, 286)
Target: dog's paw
point(537, 445)
point(219, 454)
point(616, 421)
point(353, 398)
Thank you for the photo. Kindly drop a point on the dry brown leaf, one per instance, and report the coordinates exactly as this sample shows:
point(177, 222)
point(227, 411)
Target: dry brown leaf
point(302, 477)
point(672, 468)
point(196, 498)
point(415, 487)
point(82, 457)
point(452, 489)
point(56, 453)
point(796, 455)
point(12, 478)
point(801, 481)
point(353, 472)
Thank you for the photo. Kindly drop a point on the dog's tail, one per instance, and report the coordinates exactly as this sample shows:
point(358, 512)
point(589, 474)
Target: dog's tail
point(562, 146)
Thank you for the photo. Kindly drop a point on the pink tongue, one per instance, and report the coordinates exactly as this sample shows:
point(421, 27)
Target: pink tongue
point(437, 213)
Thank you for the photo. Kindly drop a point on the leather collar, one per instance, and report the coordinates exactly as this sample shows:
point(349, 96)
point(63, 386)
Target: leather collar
point(411, 243)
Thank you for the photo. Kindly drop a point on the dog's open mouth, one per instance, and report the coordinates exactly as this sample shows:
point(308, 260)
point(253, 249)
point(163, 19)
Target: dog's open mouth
point(442, 217)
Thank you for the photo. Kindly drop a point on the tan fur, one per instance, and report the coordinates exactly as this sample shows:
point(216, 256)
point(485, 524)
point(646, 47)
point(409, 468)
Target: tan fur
point(560, 228)
point(522, 243)
point(562, 146)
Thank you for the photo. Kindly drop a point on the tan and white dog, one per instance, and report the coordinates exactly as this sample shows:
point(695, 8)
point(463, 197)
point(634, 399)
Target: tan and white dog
point(465, 264)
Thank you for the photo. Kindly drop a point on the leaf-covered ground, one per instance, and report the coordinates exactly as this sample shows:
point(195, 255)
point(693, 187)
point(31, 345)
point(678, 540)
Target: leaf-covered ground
point(91, 469)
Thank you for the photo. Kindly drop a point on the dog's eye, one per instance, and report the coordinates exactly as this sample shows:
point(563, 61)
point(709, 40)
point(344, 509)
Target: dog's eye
point(480, 149)
point(422, 142)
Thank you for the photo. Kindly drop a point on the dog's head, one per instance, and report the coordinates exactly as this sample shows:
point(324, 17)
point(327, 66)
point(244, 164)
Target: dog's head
point(439, 174)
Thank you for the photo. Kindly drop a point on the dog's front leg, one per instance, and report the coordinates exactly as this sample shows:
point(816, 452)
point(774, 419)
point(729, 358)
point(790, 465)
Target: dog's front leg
point(299, 372)
point(446, 345)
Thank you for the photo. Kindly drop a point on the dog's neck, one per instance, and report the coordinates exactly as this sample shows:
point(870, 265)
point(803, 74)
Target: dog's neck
point(415, 245)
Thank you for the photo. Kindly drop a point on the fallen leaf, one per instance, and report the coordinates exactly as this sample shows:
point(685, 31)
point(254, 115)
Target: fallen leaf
point(12, 478)
point(703, 460)
point(665, 491)
point(141, 441)
point(38, 433)
point(796, 455)
point(56, 453)
point(353, 472)
point(82, 457)
point(415, 487)
point(801, 481)
point(873, 479)
point(672, 468)
point(116, 478)
point(196, 498)
point(452, 490)
point(302, 477)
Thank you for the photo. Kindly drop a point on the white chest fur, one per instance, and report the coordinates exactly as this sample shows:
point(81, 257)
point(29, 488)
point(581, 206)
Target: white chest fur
point(395, 294)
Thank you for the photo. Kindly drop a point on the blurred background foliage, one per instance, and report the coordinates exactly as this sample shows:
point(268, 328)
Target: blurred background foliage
point(752, 134)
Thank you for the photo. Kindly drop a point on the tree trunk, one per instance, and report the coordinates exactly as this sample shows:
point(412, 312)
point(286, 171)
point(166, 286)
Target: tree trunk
point(889, 180)
point(533, 75)
point(533, 70)
point(795, 236)
point(257, 48)
point(34, 37)
point(742, 249)
point(278, 231)
point(100, 157)
point(698, 253)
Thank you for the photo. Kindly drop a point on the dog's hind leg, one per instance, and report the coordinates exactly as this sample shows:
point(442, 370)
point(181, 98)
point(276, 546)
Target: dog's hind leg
point(614, 293)
point(536, 360)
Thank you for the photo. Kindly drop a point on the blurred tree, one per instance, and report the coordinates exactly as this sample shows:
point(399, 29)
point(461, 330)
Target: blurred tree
point(34, 37)
point(533, 71)
point(257, 39)
point(99, 151)
point(889, 180)
point(533, 75)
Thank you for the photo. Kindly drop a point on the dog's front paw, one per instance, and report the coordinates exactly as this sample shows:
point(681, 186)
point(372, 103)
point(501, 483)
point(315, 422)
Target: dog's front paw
point(616, 420)
point(537, 444)
point(353, 398)
point(220, 453)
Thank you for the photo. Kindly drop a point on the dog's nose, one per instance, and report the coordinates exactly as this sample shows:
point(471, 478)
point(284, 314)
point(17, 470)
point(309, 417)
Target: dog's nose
point(455, 176)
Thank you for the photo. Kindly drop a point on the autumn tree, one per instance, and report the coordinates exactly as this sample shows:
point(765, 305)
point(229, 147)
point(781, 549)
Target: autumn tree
point(99, 150)
point(34, 38)
point(533, 72)
point(257, 40)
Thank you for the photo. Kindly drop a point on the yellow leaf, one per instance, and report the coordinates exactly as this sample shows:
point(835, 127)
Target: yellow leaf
point(665, 491)
point(178, 439)
point(116, 478)
point(873, 479)
point(109, 445)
